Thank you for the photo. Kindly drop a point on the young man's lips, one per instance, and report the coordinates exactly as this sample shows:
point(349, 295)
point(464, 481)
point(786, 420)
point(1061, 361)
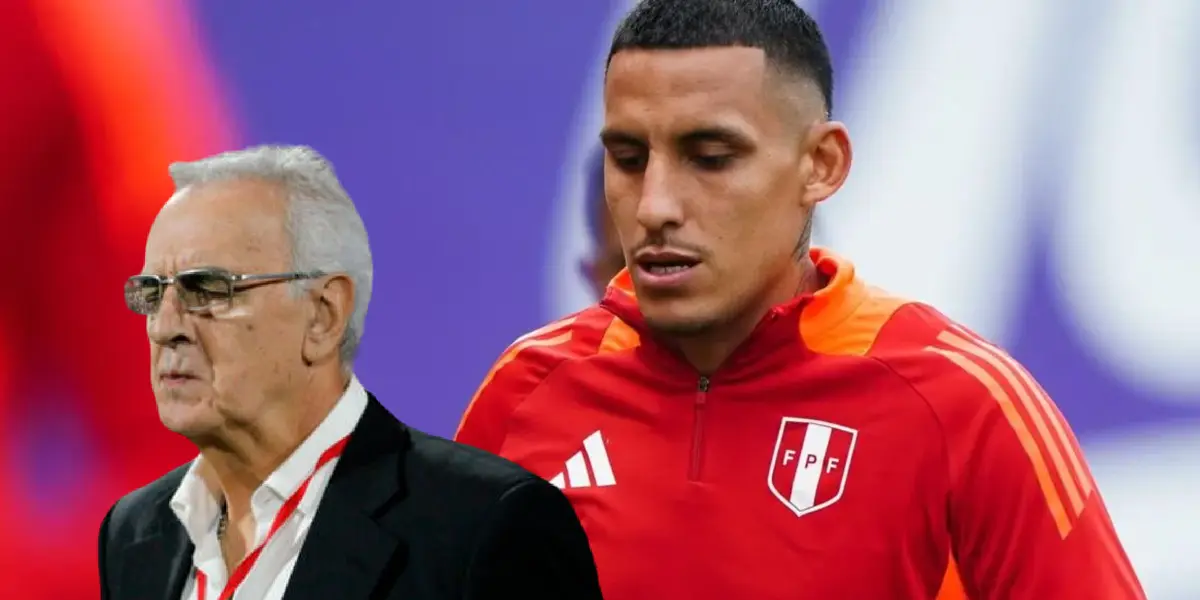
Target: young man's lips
point(665, 275)
point(665, 256)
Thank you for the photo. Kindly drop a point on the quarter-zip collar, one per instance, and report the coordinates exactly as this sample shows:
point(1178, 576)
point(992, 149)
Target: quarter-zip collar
point(778, 338)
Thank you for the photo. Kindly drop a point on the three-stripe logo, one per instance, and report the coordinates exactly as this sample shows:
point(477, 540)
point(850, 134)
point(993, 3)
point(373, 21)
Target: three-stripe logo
point(588, 467)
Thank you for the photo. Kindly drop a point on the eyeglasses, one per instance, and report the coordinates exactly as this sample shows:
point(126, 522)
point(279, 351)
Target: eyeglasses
point(200, 290)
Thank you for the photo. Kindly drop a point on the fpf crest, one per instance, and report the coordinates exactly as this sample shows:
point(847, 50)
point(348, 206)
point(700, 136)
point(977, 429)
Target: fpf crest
point(810, 464)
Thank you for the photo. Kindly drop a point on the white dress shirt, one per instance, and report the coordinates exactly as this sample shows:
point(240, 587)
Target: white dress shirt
point(198, 509)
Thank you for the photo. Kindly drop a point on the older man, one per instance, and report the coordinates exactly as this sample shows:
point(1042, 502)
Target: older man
point(255, 289)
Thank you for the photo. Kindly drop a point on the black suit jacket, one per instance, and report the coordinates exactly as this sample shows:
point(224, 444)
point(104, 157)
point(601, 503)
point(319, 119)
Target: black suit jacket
point(405, 515)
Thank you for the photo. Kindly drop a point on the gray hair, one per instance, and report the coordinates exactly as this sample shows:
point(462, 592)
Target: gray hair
point(326, 231)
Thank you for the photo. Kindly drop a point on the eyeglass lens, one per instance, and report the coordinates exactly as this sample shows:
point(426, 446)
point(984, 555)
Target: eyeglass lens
point(198, 290)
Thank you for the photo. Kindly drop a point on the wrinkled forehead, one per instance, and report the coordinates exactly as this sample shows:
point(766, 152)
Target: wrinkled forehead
point(674, 90)
point(237, 225)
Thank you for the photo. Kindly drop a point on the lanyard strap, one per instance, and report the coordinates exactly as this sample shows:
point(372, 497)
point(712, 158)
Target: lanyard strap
point(285, 512)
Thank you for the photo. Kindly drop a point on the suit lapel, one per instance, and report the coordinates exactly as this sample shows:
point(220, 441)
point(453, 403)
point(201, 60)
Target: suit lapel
point(346, 552)
point(156, 566)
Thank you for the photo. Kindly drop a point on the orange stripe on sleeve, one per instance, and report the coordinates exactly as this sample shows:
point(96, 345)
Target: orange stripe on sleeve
point(1043, 399)
point(543, 330)
point(1060, 471)
point(1024, 435)
point(523, 343)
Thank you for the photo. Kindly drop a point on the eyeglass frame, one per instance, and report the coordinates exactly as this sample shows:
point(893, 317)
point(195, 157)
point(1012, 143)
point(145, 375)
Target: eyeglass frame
point(246, 281)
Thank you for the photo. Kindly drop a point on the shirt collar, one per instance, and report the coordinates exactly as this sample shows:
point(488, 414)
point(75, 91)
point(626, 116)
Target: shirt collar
point(197, 506)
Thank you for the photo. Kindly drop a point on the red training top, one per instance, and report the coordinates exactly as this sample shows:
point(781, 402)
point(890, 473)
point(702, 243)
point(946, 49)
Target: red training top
point(857, 446)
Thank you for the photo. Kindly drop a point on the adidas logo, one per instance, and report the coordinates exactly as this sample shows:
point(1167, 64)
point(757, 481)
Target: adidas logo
point(578, 475)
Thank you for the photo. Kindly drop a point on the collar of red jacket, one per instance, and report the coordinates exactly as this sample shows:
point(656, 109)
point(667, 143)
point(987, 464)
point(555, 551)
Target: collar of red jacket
point(803, 321)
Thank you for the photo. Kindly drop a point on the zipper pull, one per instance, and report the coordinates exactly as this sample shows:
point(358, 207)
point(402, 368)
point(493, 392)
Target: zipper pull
point(703, 387)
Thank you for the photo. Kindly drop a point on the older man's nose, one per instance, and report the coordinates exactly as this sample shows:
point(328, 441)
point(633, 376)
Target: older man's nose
point(167, 326)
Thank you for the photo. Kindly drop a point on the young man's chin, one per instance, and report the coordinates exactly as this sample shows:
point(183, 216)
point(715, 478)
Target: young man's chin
point(675, 318)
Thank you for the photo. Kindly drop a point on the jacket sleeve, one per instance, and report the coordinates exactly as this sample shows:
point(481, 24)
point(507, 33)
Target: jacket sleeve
point(484, 423)
point(1027, 521)
point(515, 375)
point(532, 547)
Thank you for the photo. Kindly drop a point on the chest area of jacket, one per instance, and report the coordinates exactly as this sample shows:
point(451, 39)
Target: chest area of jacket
point(847, 415)
point(851, 457)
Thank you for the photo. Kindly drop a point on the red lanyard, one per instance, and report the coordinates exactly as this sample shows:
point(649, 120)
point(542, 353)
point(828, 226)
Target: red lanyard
point(285, 512)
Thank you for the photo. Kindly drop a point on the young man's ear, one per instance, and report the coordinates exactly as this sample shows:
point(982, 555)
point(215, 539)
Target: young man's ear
point(830, 156)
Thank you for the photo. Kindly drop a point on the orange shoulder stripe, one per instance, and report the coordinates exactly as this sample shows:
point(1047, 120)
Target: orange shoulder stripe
point(1035, 414)
point(976, 360)
point(554, 343)
point(1056, 420)
point(509, 355)
point(543, 330)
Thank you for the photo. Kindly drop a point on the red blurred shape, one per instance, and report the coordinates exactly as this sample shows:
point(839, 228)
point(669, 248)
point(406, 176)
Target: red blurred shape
point(96, 98)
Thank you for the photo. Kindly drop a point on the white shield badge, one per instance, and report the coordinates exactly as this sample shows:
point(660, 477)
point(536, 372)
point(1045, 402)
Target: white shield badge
point(812, 459)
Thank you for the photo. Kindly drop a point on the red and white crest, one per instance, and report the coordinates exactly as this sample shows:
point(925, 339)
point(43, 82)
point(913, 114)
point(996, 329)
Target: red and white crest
point(812, 459)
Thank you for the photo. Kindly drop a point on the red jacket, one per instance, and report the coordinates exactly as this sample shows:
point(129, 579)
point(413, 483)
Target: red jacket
point(857, 446)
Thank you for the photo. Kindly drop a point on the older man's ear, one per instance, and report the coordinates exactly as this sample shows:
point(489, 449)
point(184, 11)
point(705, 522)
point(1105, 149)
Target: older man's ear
point(333, 303)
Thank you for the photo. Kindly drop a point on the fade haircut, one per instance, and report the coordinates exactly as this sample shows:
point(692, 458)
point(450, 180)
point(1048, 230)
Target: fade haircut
point(786, 33)
point(327, 234)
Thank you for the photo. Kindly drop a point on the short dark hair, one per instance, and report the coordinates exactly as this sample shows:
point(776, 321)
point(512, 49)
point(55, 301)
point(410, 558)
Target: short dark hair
point(786, 33)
